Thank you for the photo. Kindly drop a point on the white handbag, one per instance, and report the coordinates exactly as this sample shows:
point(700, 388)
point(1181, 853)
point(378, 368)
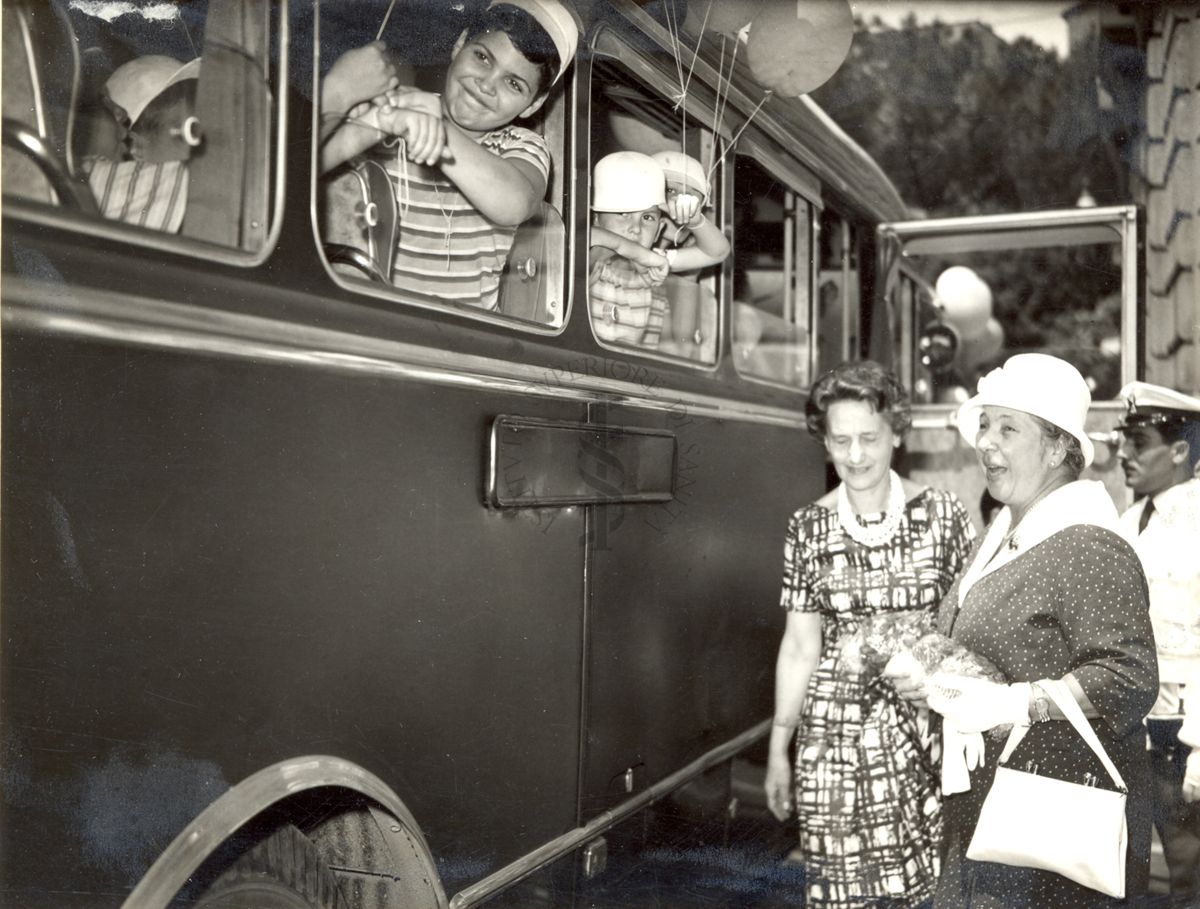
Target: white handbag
point(1071, 829)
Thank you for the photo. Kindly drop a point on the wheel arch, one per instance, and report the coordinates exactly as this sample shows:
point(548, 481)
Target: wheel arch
point(281, 789)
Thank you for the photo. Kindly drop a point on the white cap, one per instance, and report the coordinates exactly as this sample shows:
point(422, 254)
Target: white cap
point(1037, 384)
point(556, 21)
point(135, 84)
point(681, 168)
point(1148, 405)
point(628, 181)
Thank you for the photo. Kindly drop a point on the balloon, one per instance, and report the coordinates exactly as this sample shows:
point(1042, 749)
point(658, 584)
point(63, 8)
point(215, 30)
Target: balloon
point(795, 47)
point(966, 300)
point(728, 16)
point(983, 346)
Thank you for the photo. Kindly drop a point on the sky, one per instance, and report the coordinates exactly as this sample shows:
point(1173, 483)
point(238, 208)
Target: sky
point(1039, 20)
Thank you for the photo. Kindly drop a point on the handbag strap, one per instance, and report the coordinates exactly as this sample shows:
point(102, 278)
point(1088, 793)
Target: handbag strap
point(1058, 691)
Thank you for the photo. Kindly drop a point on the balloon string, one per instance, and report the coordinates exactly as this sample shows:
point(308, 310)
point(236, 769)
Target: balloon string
point(676, 44)
point(733, 141)
point(386, 16)
point(677, 49)
point(722, 101)
point(696, 49)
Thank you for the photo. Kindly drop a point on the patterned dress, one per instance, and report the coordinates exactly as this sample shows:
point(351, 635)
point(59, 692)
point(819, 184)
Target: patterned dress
point(866, 785)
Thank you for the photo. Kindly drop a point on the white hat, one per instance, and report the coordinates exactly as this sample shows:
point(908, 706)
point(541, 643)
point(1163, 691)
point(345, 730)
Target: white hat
point(557, 22)
point(135, 84)
point(1037, 384)
point(627, 181)
point(1150, 405)
point(684, 169)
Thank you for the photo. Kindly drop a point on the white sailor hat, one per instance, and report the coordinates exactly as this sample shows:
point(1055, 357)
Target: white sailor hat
point(558, 23)
point(1154, 405)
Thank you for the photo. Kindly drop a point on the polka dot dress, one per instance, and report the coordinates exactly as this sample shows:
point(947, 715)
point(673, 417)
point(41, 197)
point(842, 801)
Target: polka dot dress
point(866, 787)
point(1076, 602)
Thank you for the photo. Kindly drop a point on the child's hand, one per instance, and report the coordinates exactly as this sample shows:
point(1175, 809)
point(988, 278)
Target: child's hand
point(651, 263)
point(357, 75)
point(424, 136)
point(408, 98)
point(684, 209)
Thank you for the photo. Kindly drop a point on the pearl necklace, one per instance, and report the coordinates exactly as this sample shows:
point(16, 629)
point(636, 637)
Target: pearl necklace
point(872, 534)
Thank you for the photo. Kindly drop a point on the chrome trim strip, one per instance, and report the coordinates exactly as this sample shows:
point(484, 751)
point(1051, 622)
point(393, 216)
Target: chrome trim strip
point(199, 839)
point(130, 320)
point(568, 842)
point(1131, 302)
point(1112, 215)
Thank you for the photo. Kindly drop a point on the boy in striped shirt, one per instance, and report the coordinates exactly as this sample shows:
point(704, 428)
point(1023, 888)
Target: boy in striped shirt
point(465, 176)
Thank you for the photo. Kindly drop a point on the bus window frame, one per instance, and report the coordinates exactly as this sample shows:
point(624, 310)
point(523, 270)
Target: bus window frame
point(608, 44)
point(560, 106)
point(1119, 225)
point(789, 174)
point(56, 216)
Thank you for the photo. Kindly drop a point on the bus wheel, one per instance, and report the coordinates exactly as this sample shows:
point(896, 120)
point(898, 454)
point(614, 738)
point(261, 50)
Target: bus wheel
point(283, 871)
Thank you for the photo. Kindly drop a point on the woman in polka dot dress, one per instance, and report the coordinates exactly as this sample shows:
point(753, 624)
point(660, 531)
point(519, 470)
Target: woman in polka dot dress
point(864, 784)
point(1052, 592)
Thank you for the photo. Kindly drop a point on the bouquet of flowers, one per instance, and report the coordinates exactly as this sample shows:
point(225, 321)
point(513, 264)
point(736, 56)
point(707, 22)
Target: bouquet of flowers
point(865, 651)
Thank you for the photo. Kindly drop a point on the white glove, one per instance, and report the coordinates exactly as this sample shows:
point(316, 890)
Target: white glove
point(1191, 777)
point(962, 752)
point(976, 705)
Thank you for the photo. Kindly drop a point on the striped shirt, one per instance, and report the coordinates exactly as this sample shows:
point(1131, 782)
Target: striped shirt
point(447, 249)
point(624, 303)
point(139, 192)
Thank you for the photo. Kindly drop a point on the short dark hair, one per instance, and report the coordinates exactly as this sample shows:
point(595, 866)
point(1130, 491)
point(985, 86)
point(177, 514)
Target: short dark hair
point(526, 35)
point(1072, 449)
point(858, 380)
point(1181, 430)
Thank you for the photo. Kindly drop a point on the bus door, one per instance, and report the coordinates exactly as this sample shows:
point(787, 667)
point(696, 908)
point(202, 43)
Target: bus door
point(964, 294)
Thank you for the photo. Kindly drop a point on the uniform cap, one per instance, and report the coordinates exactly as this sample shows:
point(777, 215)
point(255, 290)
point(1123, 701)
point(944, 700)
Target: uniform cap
point(1037, 384)
point(681, 168)
point(556, 21)
point(135, 84)
point(1153, 405)
point(628, 181)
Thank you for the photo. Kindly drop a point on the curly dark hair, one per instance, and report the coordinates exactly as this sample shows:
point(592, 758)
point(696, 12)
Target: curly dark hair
point(526, 35)
point(858, 380)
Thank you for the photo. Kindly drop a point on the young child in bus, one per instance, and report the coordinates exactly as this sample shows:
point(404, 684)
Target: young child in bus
point(465, 175)
point(626, 273)
point(690, 326)
point(153, 100)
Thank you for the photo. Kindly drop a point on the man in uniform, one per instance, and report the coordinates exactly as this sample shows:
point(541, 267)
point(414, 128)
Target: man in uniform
point(1159, 451)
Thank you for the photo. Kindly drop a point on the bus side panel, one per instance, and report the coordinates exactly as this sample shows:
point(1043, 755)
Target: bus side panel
point(211, 565)
point(682, 646)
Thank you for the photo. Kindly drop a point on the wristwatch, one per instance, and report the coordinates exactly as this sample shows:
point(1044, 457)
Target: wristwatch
point(1041, 705)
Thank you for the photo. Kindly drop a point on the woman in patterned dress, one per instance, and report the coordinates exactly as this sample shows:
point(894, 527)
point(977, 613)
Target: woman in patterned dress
point(864, 782)
point(1053, 592)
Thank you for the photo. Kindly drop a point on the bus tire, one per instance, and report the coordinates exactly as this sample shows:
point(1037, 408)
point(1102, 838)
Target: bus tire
point(282, 871)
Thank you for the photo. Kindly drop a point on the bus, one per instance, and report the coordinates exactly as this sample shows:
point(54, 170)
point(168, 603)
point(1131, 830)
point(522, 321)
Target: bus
point(320, 591)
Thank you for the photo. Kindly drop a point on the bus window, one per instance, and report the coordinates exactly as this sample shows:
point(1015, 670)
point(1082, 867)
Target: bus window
point(122, 124)
point(674, 312)
point(837, 292)
point(396, 224)
point(982, 286)
point(773, 254)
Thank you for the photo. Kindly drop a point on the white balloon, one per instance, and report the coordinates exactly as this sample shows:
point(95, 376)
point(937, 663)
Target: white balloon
point(984, 345)
point(966, 300)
